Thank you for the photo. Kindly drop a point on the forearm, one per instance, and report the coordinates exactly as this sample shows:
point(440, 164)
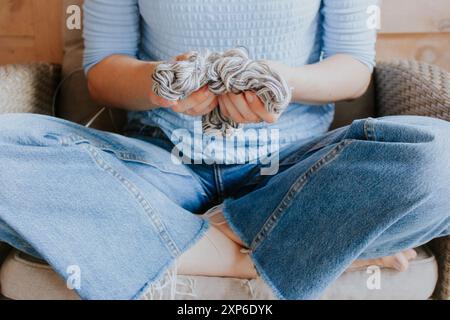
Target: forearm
point(337, 78)
point(122, 82)
point(125, 82)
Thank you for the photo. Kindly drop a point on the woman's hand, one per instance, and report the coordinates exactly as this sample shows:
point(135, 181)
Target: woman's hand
point(285, 72)
point(157, 101)
point(199, 103)
point(245, 108)
point(241, 108)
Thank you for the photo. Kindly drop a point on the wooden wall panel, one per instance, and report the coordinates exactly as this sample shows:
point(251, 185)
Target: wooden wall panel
point(30, 30)
point(48, 30)
point(430, 48)
point(15, 18)
point(415, 16)
point(415, 29)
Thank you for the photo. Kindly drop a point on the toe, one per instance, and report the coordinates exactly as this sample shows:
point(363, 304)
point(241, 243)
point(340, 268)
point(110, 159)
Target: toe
point(410, 254)
point(400, 262)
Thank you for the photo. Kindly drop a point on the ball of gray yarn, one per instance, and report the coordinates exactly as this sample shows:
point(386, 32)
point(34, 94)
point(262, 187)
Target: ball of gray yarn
point(231, 71)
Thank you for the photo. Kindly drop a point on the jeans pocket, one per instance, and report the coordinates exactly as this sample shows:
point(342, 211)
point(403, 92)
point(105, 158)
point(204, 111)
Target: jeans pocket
point(130, 150)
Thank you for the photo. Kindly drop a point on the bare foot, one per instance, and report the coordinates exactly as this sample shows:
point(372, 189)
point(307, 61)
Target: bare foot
point(216, 255)
point(399, 262)
point(216, 218)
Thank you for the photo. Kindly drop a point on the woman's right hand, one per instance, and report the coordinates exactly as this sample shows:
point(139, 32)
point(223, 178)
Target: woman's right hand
point(198, 103)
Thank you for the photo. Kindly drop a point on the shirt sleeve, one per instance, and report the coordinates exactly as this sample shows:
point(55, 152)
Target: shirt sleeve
point(110, 27)
point(347, 29)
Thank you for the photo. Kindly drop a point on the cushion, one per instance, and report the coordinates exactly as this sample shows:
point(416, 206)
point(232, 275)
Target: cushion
point(28, 88)
point(23, 277)
point(417, 283)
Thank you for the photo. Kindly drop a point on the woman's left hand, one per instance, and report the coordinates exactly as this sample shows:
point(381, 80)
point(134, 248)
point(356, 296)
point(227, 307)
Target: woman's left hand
point(245, 108)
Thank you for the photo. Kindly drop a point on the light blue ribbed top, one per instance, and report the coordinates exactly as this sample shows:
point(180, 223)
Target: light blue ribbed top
point(295, 32)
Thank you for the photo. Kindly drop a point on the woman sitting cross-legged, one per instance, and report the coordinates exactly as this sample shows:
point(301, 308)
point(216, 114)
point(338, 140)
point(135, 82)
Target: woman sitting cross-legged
point(125, 210)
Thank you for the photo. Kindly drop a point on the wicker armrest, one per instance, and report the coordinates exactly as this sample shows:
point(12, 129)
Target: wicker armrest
point(28, 88)
point(413, 88)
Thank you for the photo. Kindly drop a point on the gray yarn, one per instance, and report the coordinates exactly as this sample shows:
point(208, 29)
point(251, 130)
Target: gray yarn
point(232, 71)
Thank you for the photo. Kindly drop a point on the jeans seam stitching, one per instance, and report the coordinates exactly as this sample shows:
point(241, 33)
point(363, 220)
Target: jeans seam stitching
point(122, 155)
point(295, 188)
point(148, 209)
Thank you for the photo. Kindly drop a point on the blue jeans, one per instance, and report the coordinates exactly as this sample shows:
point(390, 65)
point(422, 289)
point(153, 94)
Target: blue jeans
point(119, 210)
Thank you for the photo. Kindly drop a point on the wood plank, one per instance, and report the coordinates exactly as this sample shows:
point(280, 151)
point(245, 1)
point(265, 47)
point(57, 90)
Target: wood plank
point(30, 30)
point(429, 48)
point(19, 42)
point(16, 50)
point(415, 16)
point(48, 31)
point(15, 18)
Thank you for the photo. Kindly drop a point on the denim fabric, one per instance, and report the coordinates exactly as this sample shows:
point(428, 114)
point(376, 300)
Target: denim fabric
point(120, 211)
point(369, 190)
point(114, 208)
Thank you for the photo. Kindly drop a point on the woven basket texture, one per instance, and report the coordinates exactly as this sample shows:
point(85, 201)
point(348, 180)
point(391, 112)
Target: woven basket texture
point(28, 88)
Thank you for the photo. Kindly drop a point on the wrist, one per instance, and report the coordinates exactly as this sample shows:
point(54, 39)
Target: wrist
point(286, 72)
point(154, 101)
point(296, 82)
point(144, 71)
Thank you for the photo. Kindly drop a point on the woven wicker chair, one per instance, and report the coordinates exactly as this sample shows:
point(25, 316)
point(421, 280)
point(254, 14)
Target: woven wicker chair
point(399, 87)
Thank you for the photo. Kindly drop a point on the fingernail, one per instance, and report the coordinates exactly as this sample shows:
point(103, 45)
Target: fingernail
point(249, 97)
